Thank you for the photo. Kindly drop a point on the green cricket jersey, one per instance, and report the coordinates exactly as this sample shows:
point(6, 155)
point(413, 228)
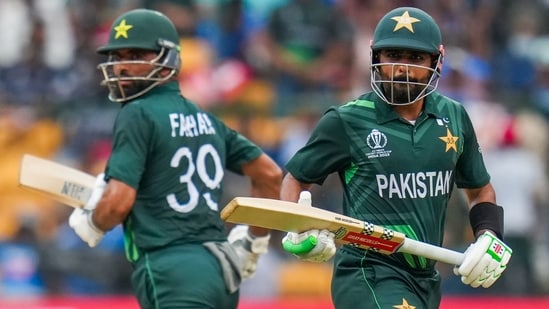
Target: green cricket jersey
point(175, 155)
point(394, 173)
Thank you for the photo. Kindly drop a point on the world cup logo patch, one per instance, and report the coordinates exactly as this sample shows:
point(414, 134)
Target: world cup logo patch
point(376, 139)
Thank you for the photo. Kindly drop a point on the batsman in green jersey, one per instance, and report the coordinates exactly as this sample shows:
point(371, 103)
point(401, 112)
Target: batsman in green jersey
point(398, 151)
point(163, 178)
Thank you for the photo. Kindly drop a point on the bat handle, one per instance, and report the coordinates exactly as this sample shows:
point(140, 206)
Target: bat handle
point(302, 247)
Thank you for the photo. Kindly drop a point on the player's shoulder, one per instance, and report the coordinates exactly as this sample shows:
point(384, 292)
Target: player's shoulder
point(363, 107)
point(441, 99)
point(441, 104)
point(364, 101)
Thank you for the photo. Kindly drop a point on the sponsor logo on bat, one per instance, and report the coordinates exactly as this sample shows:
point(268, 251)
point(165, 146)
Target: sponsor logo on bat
point(371, 241)
point(73, 190)
point(347, 220)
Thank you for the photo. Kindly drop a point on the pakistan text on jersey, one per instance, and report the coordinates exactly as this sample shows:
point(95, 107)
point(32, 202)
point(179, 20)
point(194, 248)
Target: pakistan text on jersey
point(191, 125)
point(414, 185)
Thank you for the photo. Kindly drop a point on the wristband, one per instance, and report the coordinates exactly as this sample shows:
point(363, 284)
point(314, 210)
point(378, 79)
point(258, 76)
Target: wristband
point(487, 216)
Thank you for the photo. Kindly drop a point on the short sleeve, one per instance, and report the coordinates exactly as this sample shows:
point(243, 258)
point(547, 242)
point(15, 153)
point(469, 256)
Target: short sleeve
point(326, 151)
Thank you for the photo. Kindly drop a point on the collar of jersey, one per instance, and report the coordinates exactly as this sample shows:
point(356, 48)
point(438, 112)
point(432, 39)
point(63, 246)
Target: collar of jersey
point(169, 86)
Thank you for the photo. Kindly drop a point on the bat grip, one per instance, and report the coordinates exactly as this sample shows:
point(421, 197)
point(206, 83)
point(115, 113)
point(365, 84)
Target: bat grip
point(303, 247)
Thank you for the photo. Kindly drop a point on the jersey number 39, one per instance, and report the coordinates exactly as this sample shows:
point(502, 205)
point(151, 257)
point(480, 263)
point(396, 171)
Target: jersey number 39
point(198, 166)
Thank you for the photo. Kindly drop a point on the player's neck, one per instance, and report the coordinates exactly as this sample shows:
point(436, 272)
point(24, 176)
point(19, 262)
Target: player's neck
point(409, 112)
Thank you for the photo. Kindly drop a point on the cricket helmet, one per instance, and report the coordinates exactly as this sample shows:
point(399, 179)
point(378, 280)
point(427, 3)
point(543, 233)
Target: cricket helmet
point(141, 29)
point(406, 28)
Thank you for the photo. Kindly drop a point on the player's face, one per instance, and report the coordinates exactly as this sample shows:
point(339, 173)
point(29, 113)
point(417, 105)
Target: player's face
point(405, 73)
point(132, 63)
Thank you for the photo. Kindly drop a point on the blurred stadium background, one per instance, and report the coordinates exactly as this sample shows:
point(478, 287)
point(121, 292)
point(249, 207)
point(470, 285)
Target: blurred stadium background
point(268, 68)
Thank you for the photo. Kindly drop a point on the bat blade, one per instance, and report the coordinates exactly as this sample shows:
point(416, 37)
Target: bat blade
point(60, 182)
point(292, 217)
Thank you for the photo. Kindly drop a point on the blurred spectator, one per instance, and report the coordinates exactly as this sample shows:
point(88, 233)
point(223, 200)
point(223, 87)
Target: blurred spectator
point(519, 177)
point(363, 17)
point(35, 65)
point(23, 130)
point(308, 45)
point(19, 264)
point(69, 266)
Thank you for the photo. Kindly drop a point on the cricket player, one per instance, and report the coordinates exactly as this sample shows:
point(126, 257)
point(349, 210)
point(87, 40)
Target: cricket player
point(398, 151)
point(163, 178)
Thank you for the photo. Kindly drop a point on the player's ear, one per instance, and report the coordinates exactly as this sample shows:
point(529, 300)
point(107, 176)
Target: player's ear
point(440, 59)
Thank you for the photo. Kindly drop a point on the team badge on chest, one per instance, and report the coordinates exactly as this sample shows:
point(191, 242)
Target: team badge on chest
point(450, 140)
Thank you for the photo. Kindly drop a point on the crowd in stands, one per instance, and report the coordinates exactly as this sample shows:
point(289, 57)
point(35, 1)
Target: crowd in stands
point(269, 68)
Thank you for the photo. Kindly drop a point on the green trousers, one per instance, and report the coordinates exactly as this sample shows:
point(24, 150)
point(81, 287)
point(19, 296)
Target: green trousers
point(362, 280)
point(183, 277)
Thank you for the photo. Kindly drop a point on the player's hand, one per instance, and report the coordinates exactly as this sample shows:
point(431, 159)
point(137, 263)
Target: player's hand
point(248, 248)
point(484, 262)
point(313, 245)
point(81, 222)
point(97, 192)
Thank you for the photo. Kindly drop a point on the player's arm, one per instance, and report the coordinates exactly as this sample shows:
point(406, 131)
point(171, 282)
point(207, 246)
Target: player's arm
point(109, 204)
point(265, 176)
point(114, 206)
point(291, 188)
point(313, 245)
point(326, 151)
point(485, 197)
point(487, 258)
point(251, 242)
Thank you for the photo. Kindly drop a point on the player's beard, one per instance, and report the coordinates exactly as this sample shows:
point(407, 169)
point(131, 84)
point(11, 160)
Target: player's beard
point(402, 92)
point(136, 86)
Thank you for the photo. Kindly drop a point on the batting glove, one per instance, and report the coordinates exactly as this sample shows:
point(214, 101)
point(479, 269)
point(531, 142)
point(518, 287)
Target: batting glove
point(313, 245)
point(248, 248)
point(81, 222)
point(484, 262)
point(97, 193)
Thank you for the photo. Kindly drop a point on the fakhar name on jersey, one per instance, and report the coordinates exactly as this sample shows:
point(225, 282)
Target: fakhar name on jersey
point(414, 185)
point(191, 125)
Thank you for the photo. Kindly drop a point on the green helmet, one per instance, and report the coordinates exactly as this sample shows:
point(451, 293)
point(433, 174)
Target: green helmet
point(140, 29)
point(405, 28)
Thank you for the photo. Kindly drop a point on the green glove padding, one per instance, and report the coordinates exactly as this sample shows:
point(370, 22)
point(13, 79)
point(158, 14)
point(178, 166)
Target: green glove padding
point(303, 247)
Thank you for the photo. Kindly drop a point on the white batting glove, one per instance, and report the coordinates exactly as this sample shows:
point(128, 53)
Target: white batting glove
point(81, 222)
point(248, 248)
point(313, 245)
point(97, 193)
point(484, 262)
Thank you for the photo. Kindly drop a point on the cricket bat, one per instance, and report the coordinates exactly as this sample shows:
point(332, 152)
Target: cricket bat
point(62, 183)
point(292, 217)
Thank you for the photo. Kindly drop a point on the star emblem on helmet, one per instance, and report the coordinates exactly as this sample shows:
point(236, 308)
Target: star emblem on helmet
point(405, 21)
point(122, 30)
